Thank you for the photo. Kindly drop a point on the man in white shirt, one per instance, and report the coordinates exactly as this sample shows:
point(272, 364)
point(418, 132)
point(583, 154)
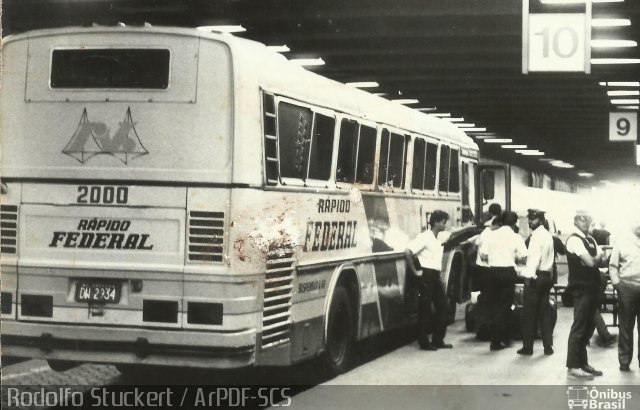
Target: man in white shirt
point(584, 257)
point(502, 249)
point(538, 283)
point(624, 269)
point(428, 250)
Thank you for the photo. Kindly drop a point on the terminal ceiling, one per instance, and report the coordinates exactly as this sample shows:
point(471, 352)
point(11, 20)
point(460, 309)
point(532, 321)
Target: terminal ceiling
point(463, 57)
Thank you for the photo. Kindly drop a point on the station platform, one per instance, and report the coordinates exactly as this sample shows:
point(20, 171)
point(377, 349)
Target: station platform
point(470, 362)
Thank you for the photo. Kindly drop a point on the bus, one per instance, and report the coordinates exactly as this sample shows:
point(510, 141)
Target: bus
point(185, 198)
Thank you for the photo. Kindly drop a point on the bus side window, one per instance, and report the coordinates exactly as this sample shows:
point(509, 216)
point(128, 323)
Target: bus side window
point(294, 137)
point(321, 147)
point(488, 184)
point(454, 172)
point(443, 185)
point(395, 175)
point(419, 152)
point(431, 166)
point(366, 155)
point(384, 157)
point(393, 155)
point(347, 151)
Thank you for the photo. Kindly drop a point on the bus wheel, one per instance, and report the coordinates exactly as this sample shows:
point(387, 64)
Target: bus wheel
point(339, 332)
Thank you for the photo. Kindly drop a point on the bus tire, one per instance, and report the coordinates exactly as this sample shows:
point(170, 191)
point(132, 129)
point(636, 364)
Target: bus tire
point(340, 334)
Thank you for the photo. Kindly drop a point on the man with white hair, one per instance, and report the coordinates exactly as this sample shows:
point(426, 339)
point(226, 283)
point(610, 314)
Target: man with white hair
point(584, 257)
point(624, 269)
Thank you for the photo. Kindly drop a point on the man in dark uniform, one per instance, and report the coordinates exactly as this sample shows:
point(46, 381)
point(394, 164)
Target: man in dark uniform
point(583, 257)
point(538, 282)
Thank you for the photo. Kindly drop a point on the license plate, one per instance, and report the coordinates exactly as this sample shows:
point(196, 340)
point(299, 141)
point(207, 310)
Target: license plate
point(103, 292)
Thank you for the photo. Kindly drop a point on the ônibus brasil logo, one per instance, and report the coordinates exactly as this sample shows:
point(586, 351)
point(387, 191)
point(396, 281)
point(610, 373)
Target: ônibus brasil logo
point(592, 398)
point(94, 138)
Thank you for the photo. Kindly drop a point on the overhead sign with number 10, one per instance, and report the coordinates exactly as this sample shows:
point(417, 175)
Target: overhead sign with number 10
point(557, 42)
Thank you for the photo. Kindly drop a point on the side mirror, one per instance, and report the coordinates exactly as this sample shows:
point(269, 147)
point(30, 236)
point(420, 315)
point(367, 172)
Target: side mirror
point(488, 184)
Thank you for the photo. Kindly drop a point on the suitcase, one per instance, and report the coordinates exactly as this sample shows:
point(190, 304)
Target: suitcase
point(478, 319)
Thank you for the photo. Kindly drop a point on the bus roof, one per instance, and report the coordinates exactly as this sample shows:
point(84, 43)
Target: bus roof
point(281, 76)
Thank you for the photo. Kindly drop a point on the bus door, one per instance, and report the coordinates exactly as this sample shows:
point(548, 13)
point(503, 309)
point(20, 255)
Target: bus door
point(494, 187)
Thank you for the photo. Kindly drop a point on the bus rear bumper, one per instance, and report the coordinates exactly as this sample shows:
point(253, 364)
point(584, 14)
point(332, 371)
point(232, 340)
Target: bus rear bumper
point(129, 345)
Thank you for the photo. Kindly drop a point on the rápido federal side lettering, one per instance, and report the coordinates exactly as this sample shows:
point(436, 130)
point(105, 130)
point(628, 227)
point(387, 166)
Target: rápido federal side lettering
point(330, 235)
point(98, 233)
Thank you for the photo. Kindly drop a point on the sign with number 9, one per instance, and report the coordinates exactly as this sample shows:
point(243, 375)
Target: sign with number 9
point(623, 126)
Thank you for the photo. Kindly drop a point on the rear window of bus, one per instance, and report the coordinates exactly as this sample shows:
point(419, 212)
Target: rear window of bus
point(110, 68)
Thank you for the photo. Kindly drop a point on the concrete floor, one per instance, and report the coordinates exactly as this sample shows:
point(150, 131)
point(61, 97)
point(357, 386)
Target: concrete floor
point(470, 376)
point(471, 362)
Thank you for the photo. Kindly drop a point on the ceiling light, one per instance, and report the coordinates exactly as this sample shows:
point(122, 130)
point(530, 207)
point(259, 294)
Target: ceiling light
point(223, 29)
point(621, 93)
point(585, 174)
point(363, 84)
point(578, 1)
point(547, 159)
point(615, 61)
point(426, 109)
point(610, 22)
point(406, 101)
point(625, 101)
point(458, 119)
point(307, 61)
point(380, 94)
point(279, 49)
point(473, 129)
point(613, 43)
point(628, 107)
point(530, 152)
point(465, 125)
point(602, 83)
point(498, 140)
point(514, 146)
point(483, 137)
point(441, 114)
point(623, 83)
point(561, 164)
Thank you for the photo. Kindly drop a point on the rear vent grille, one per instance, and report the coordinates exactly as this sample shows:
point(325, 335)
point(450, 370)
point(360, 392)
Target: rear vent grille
point(206, 236)
point(278, 288)
point(9, 228)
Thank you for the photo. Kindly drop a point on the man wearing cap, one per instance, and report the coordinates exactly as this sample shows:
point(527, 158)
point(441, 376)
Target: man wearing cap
point(538, 283)
point(624, 269)
point(584, 257)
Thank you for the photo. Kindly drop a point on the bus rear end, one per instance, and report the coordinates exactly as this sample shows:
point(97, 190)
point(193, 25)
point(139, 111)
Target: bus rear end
point(116, 167)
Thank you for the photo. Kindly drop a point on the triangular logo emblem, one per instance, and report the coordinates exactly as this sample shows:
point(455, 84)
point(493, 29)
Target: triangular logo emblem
point(94, 138)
